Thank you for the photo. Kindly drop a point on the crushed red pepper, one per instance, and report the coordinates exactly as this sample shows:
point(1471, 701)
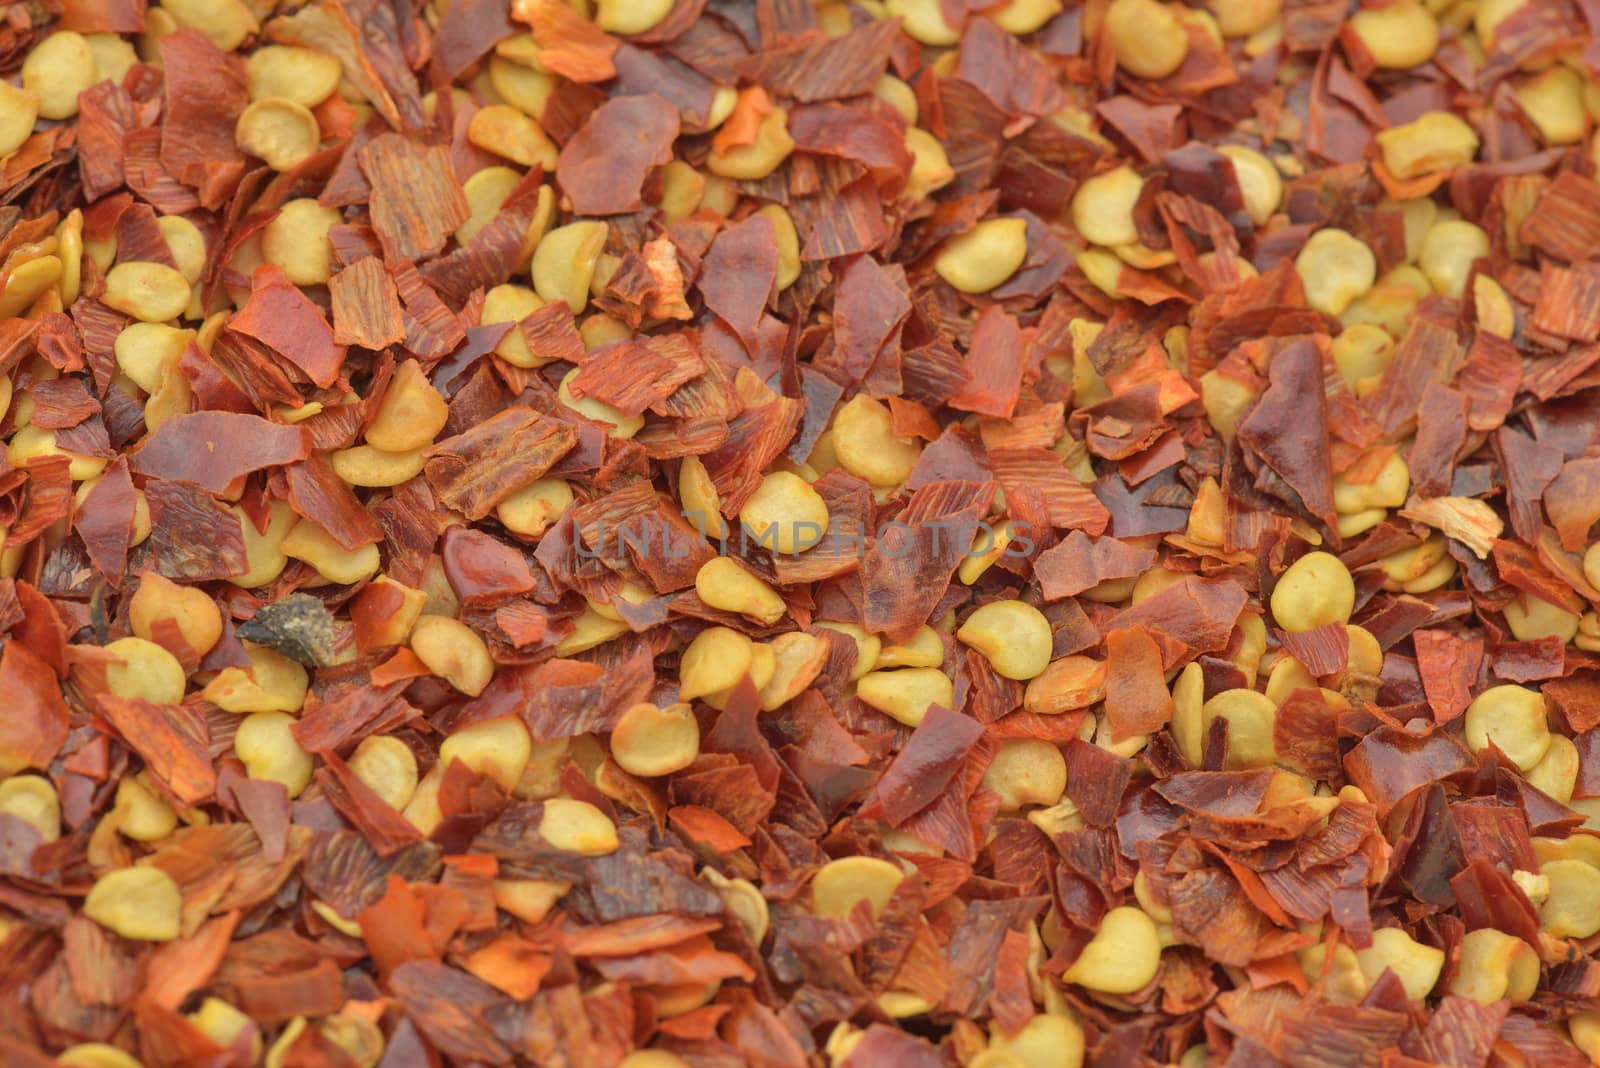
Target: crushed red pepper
point(1195, 659)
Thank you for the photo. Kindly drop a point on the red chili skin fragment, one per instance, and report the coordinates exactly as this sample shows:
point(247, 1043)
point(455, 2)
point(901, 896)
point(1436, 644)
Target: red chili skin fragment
point(35, 729)
point(215, 449)
point(604, 164)
point(283, 318)
point(366, 306)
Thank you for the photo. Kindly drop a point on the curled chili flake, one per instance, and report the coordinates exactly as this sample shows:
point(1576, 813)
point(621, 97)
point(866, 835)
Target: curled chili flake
point(364, 525)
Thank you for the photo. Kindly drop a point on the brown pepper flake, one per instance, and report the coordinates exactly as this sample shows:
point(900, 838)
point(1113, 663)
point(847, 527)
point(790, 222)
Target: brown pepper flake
point(476, 470)
point(416, 203)
point(604, 164)
point(366, 306)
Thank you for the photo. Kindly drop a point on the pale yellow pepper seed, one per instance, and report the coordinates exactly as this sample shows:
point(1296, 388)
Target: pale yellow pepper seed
point(1513, 718)
point(867, 645)
point(411, 413)
point(1251, 717)
point(898, 95)
point(760, 158)
point(985, 256)
point(1102, 208)
point(1432, 142)
point(1495, 965)
point(1553, 101)
point(1591, 565)
point(1123, 956)
point(1313, 591)
point(533, 509)
point(486, 190)
point(1243, 18)
point(296, 240)
point(577, 827)
point(840, 885)
point(1416, 966)
point(59, 68)
point(159, 600)
point(69, 237)
point(722, 583)
point(33, 800)
point(278, 131)
point(1148, 38)
point(511, 303)
point(1448, 251)
point(33, 280)
point(1013, 635)
point(343, 567)
point(565, 263)
point(1259, 182)
point(272, 683)
point(1027, 771)
point(785, 514)
point(866, 445)
point(226, 22)
point(1584, 1027)
point(906, 694)
point(1025, 16)
point(923, 649)
point(1388, 490)
point(788, 239)
point(222, 1023)
point(142, 814)
point(622, 427)
point(31, 441)
point(630, 17)
point(1573, 907)
point(930, 164)
point(682, 190)
point(19, 109)
point(145, 350)
point(651, 741)
point(146, 671)
point(141, 903)
point(1556, 774)
point(923, 21)
point(1398, 35)
point(387, 767)
point(267, 747)
point(187, 244)
point(714, 661)
point(521, 86)
point(1532, 618)
point(510, 134)
point(365, 466)
point(1336, 268)
point(498, 749)
point(798, 658)
point(529, 900)
point(96, 1055)
point(698, 494)
point(454, 652)
point(150, 292)
point(304, 75)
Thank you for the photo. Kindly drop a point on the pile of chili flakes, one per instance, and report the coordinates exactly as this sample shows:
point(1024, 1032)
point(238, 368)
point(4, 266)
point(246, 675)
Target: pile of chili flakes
point(1506, 458)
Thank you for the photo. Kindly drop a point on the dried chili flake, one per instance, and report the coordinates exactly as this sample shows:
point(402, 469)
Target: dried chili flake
point(214, 450)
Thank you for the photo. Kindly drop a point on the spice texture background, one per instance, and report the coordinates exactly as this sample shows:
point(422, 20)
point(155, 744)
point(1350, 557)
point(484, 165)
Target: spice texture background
point(872, 534)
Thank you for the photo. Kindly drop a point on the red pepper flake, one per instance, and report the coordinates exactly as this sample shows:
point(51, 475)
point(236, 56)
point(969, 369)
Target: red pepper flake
point(416, 202)
point(284, 319)
point(214, 450)
point(366, 306)
point(638, 375)
point(476, 470)
point(172, 740)
point(604, 165)
point(569, 45)
point(35, 728)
